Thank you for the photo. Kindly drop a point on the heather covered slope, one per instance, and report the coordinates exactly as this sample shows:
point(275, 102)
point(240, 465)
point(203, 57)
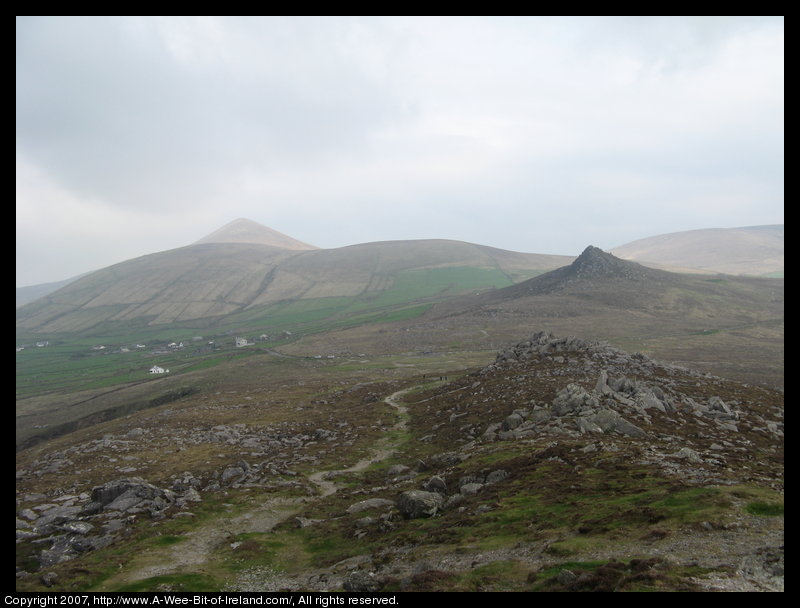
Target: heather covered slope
point(565, 464)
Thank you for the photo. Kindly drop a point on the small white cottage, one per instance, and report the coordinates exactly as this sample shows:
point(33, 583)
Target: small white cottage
point(158, 370)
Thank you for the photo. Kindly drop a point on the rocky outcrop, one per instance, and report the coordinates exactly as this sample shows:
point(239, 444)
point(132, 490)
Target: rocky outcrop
point(544, 343)
point(573, 399)
point(131, 495)
point(93, 520)
point(606, 391)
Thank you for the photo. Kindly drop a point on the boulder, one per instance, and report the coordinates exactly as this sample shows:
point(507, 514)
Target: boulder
point(647, 400)
point(49, 579)
point(587, 426)
point(715, 404)
point(29, 514)
point(419, 503)
point(455, 501)
point(623, 427)
point(397, 470)
point(231, 474)
point(511, 422)
point(305, 522)
point(496, 476)
point(687, 454)
point(110, 491)
point(602, 387)
point(573, 398)
point(436, 484)
point(369, 503)
point(77, 527)
point(361, 582)
point(610, 421)
point(470, 489)
point(126, 494)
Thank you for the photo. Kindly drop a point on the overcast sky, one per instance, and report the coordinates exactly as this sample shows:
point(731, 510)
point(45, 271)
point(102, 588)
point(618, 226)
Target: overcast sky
point(542, 135)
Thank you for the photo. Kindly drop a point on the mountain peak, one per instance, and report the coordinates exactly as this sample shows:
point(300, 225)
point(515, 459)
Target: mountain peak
point(592, 266)
point(596, 263)
point(247, 231)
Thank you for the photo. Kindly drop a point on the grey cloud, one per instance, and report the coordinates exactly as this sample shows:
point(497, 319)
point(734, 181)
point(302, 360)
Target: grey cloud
point(112, 112)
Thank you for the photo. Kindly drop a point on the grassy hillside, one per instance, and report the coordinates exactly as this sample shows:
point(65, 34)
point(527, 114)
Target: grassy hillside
point(207, 283)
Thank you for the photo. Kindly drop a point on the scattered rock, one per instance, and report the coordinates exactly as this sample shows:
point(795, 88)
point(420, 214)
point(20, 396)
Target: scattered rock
point(305, 522)
point(232, 474)
point(369, 503)
point(687, 454)
point(397, 470)
point(77, 527)
point(470, 489)
point(496, 476)
point(49, 579)
point(511, 422)
point(361, 582)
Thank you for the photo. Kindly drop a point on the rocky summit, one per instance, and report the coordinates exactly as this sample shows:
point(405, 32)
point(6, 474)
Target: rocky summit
point(592, 266)
point(564, 465)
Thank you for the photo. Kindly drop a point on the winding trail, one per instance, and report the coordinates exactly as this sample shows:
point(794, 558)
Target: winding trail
point(383, 448)
point(195, 551)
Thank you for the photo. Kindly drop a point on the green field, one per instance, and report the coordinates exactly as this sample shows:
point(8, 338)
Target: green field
point(71, 362)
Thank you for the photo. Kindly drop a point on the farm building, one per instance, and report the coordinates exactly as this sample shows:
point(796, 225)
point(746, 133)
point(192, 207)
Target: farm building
point(158, 370)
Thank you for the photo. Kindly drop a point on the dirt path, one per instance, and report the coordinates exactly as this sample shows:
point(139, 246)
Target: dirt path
point(196, 550)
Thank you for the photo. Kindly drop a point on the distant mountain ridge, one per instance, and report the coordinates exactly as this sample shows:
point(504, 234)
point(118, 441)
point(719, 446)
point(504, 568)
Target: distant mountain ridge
point(224, 274)
point(244, 265)
point(749, 250)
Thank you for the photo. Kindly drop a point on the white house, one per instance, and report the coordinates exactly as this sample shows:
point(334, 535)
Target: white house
point(158, 370)
point(241, 342)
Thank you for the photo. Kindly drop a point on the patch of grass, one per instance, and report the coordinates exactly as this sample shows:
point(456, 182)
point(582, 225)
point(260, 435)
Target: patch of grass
point(571, 546)
point(252, 549)
point(694, 504)
point(174, 582)
point(634, 575)
point(326, 548)
point(415, 284)
point(765, 509)
point(165, 540)
point(553, 570)
point(500, 575)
